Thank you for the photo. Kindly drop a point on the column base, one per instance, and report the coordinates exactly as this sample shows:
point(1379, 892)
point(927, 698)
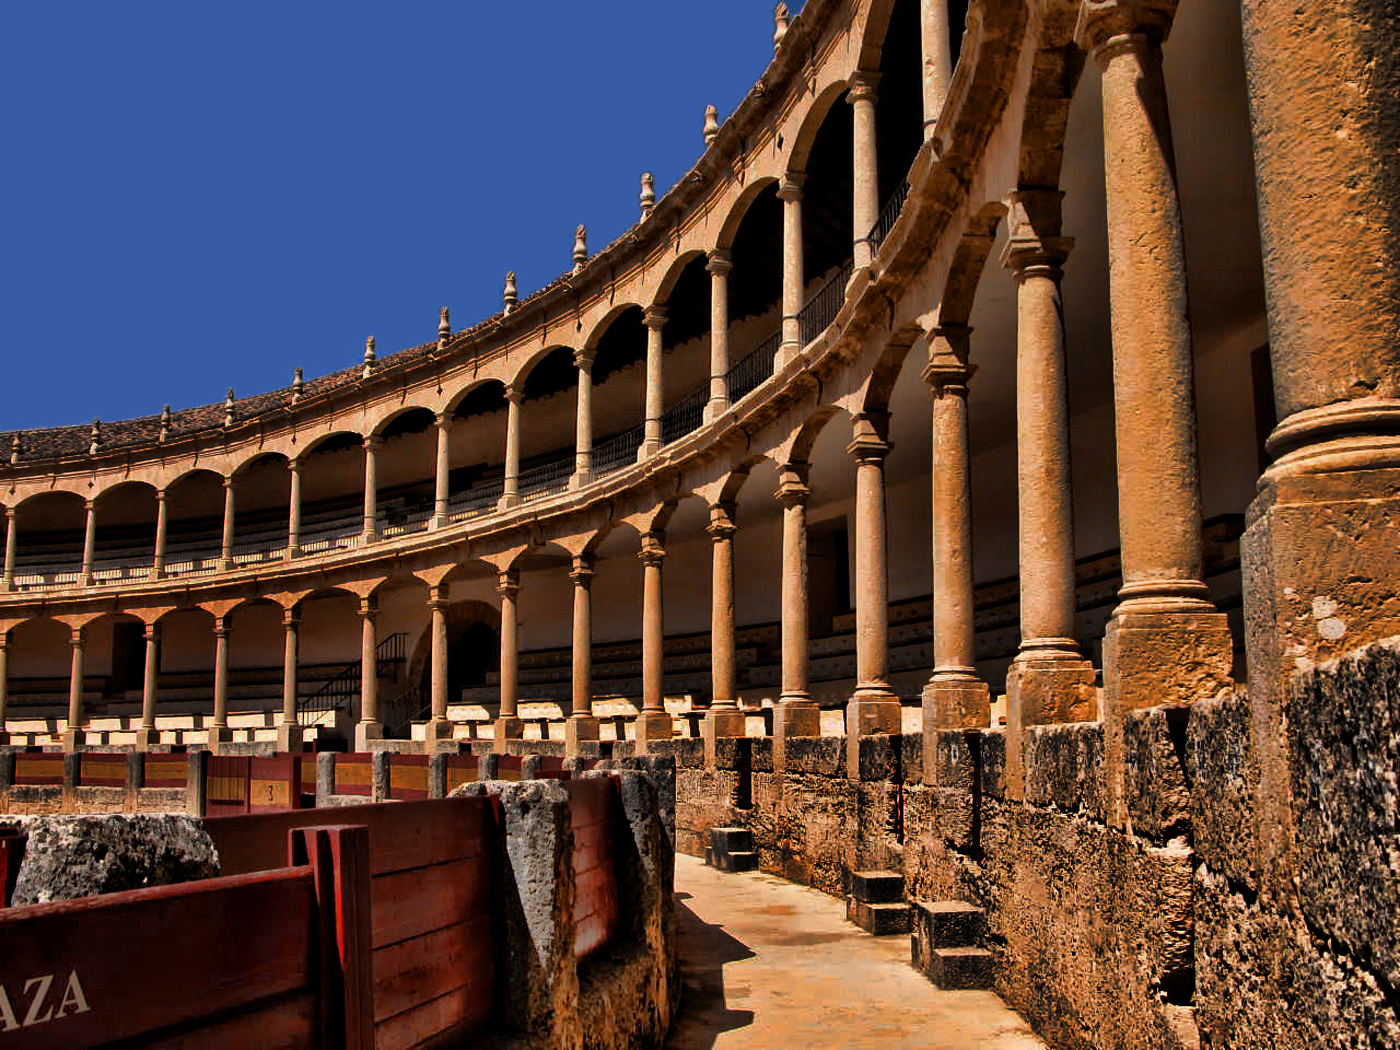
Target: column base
point(718, 723)
point(714, 408)
point(796, 718)
point(72, 739)
point(580, 479)
point(291, 554)
point(438, 521)
point(437, 729)
point(291, 736)
point(218, 736)
point(653, 726)
point(1158, 657)
point(147, 739)
point(957, 701)
point(577, 729)
point(1042, 692)
point(367, 732)
point(508, 501)
point(649, 448)
point(507, 727)
point(786, 352)
point(873, 711)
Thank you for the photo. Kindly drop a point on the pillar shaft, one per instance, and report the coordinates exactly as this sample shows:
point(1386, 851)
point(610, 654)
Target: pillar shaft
point(869, 448)
point(221, 632)
point(793, 493)
point(790, 193)
point(655, 320)
point(89, 543)
point(369, 666)
point(4, 685)
point(162, 533)
point(11, 545)
point(75, 683)
point(442, 470)
point(582, 575)
point(866, 193)
point(583, 419)
point(291, 624)
point(371, 518)
point(293, 508)
point(510, 492)
point(148, 690)
point(438, 727)
point(938, 59)
point(226, 549)
point(723, 695)
point(653, 723)
point(719, 267)
point(509, 589)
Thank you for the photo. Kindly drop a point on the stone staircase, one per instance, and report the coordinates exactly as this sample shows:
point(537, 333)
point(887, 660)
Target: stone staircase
point(945, 944)
point(731, 849)
point(876, 902)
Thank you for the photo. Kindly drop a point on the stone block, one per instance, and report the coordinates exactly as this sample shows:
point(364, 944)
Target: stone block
point(877, 887)
point(879, 758)
point(955, 968)
point(945, 924)
point(1064, 767)
point(1155, 791)
point(818, 755)
point(1222, 768)
point(911, 757)
point(991, 762)
point(762, 754)
point(880, 919)
point(689, 752)
point(731, 752)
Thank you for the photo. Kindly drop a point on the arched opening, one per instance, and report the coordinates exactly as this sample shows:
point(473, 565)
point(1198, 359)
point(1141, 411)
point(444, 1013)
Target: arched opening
point(332, 492)
point(41, 659)
point(685, 340)
point(755, 293)
point(828, 234)
point(126, 532)
point(547, 418)
point(478, 442)
point(194, 505)
point(899, 113)
point(404, 472)
point(619, 398)
point(262, 495)
point(50, 530)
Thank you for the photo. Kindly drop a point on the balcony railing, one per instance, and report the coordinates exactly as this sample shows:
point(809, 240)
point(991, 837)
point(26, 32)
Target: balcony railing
point(889, 215)
point(822, 308)
point(617, 452)
point(685, 415)
point(545, 478)
point(746, 377)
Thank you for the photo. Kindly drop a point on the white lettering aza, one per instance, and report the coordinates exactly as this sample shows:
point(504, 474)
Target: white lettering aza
point(39, 1001)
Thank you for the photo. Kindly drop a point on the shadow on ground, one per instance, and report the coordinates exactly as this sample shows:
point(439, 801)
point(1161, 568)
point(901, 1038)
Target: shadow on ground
point(705, 949)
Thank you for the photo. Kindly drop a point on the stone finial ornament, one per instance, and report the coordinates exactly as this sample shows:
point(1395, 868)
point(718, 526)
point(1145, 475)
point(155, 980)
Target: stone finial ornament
point(711, 124)
point(648, 197)
point(780, 24)
point(164, 422)
point(228, 408)
point(16, 449)
point(95, 437)
point(580, 248)
point(369, 358)
point(298, 385)
point(511, 297)
point(444, 327)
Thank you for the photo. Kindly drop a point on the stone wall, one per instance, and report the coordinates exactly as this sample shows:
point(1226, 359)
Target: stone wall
point(1164, 933)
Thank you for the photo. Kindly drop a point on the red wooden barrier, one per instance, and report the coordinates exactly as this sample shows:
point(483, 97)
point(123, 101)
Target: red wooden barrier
point(354, 774)
point(508, 767)
point(274, 782)
point(39, 768)
point(593, 804)
point(408, 777)
point(430, 885)
point(12, 842)
point(308, 781)
point(551, 767)
point(226, 785)
point(137, 965)
point(462, 769)
point(167, 771)
point(102, 769)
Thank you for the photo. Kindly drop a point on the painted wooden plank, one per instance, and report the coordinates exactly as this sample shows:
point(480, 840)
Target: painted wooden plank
point(412, 903)
point(408, 777)
point(462, 769)
point(39, 768)
point(286, 1023)
point(167, 771)
point(417, 971)
point(96, 769)
point(441, 1022)
point(274, 783)
point(354, 773)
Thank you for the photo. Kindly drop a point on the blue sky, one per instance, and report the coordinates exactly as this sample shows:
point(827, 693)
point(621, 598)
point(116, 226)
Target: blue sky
point(199, 195)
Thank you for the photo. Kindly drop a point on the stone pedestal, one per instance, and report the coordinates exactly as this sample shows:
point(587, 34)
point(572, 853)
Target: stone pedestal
point(368, 732)
point(145, 739)
point(72, 739)
point(218, 736)
point(579, 728)
point(507, 727)
point(957, 703)
point(652, 726)
point(290, 737)
point(796, 718)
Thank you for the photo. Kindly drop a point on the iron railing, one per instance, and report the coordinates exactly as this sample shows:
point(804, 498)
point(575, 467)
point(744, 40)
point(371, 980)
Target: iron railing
point(545, 478)
point(341, 690)
point(617, 452)
point(403, 710)
point(889, 215)
point(685, 415)
point(824, 305)
point(479, 499)
point(748, 375)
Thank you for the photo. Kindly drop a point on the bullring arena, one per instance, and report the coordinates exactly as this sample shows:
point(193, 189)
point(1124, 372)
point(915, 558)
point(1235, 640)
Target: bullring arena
point(970, 491)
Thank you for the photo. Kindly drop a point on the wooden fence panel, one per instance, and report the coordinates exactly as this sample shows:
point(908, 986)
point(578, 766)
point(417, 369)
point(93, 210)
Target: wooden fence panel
point(12, 843)
point(167, 771)
point(39, 768)
point(354, 774)
point(462, 769)
point(593, 807)
point(509, 767)
point(408, 777)
point(274, 783)
point(226, 785)
point(102, 769)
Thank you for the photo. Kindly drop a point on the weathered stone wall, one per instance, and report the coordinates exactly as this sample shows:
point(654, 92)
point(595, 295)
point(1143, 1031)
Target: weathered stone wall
point(1164, 933)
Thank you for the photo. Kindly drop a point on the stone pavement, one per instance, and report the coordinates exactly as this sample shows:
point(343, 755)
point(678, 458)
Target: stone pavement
point(771, 964)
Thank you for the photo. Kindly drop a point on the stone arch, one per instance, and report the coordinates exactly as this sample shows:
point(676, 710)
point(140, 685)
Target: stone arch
point(887, 369)
point(1055, 76)
point(600, 329)
point(461, 616)
point(522, 374)
point(969, 262)
point(672, 276)
point(456, 401)
point(734, 218)
point(817, 111)
point(255, 459)
point(331, 436)
point(396, 415)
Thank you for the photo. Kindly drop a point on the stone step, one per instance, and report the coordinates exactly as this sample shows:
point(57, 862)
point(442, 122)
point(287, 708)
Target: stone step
point(951, 968)
point(728, 840)
point(878, 887)
point(738, 860)
point(731, 849)
point(948, 924)
point(880, 918)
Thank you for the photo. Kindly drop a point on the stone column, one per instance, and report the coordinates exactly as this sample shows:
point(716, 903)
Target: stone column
point(653, 723)
point(874, 707)
point(370, 531)
point(1050, 681)
point(938, 59)
point(293, 509)
point(89, 543)
point(655, 320)
point(442, 472)
point(11, 545)
point(438, 727)
point(226, 549)
point(510, 492)
point(162, 532)
point(790, 193)
point(4, 685)
point(582, 725)
point(955, 698)
point(369, 727)
point(724, 717)
point(719, 267)
point(583, 420)
point(219, 732)
point(289, 731)
point(1166, 643)
point(509, 725)
point(74, 736)
point(796, 714)
point(861, 94)
point(146, 736)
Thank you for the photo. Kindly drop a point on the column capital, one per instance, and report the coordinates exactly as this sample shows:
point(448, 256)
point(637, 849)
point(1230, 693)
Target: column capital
point(79, 637)
point(291, 618)
point(369, 608)
point(720, 262)
point(721, 526)
point(221, 627)
point(861, 87)
point(373, 441)
point(584, 358)
point(508, 583)
point(160, 497)
point(653, 550)
point(790, 186)
point(1104, 26)
point(654, 317)
point(582, 571)
point(443, 420)
point(151, 632)
point(870, 432)
point(1033, 225)
point(515, 394)
point(90, 503)
point(792, 484)
point(947, 370)
point(230, 483)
